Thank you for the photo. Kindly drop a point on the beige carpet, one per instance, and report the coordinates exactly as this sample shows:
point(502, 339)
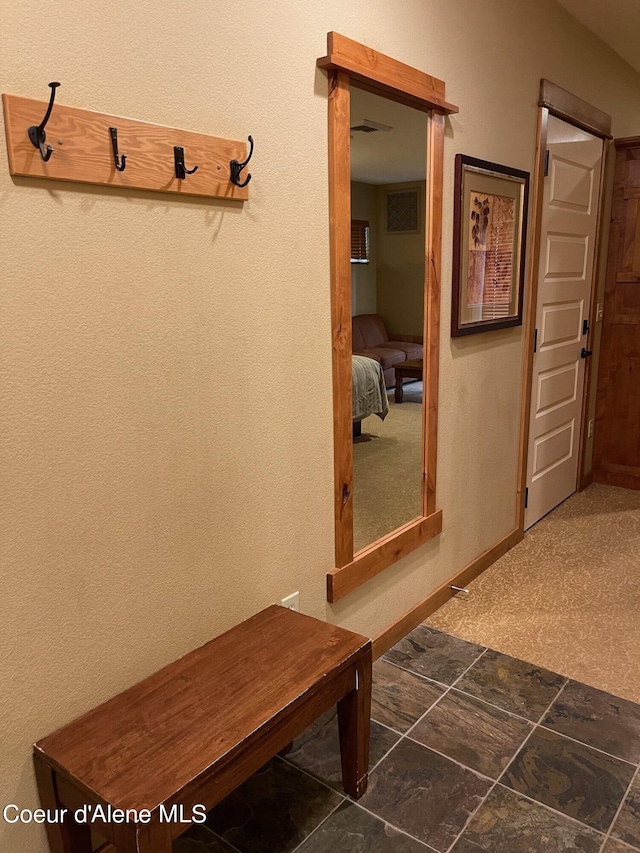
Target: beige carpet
point(387, 465)
point(568, 596)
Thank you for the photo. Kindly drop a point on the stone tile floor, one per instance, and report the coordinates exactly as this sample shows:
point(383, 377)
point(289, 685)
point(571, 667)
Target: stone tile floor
point(471, 750)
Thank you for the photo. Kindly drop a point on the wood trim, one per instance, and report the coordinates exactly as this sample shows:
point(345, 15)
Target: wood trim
point(626, 278)
point(567, 106)
point(340, 252)
point(412, 618)
point(614, 261)
point(616, 478)
point(586, 393)
point(627, 142)
point(531, 301)
point(84, 153)
point(382, 554)
point(374, 71)
point(585, 481)
point(433, 265)
point(615, 468)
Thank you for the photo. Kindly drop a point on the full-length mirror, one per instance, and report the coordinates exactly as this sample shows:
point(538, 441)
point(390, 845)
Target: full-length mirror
point(388, 171)
point(386, 141)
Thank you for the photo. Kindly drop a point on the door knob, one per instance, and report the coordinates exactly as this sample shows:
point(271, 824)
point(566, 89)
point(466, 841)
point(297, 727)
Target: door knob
point(585, 353)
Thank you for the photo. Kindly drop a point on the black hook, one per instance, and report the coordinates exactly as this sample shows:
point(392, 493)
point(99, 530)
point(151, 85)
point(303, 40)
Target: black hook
point(236, 167)
point(36, 132)
point(120, 162)
point(181, 169)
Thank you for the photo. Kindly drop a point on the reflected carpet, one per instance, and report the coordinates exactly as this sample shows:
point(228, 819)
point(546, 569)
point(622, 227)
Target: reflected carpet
point(387, 465)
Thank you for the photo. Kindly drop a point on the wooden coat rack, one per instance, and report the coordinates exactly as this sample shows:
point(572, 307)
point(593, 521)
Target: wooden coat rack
point(143, 156)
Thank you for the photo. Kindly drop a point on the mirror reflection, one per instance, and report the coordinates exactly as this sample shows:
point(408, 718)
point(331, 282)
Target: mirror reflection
point(388, 172)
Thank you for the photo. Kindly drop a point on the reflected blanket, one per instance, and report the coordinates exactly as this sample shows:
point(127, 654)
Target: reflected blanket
point(369, 392)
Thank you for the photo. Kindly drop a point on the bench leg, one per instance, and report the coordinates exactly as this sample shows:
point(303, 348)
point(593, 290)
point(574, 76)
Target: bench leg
point(146, 838)
point(65, 837)
point(77, 837)
point(354, 722)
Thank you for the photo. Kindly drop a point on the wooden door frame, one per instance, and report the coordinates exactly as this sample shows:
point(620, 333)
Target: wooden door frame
point(617, 273)
point(573, 110)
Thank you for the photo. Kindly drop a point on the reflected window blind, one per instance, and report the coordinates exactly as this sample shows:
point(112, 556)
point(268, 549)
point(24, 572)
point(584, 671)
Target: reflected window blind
point(359, 241)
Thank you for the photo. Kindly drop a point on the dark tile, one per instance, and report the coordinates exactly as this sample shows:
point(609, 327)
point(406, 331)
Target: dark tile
point(352, 830)
point(474, 733)
point(597, 718)
point(200, 839)
point(615, 846)
point(512, 684)
point(423, 793)
point(317, 750)
point(627, 825)
point(570, 777)
point(507, 823)
point(399, 697)
point(274, 810)
point(434, 654)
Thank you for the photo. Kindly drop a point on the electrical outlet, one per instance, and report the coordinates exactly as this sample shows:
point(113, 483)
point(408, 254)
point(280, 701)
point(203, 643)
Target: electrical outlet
point(590, 428)
point(292, 602)
point(599, 312)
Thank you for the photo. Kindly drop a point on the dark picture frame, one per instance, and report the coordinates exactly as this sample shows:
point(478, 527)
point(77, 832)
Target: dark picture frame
point(489, 241)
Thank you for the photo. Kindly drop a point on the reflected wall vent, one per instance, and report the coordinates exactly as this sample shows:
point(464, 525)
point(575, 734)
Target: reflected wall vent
point(369, 126)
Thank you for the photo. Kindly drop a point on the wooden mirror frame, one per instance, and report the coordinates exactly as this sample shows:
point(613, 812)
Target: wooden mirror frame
point(350, 62)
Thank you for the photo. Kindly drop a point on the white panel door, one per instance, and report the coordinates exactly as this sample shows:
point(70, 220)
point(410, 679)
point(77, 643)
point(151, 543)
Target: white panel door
point(567, 246)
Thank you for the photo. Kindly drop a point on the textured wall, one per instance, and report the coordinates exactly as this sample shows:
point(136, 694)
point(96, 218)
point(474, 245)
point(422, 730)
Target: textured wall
point(166, 365)
point(401, 268)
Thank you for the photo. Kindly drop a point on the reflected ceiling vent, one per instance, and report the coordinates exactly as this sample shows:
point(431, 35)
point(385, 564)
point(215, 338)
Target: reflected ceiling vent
point(369, 126)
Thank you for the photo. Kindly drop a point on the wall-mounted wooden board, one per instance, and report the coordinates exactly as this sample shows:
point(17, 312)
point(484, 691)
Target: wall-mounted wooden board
point(83, 151)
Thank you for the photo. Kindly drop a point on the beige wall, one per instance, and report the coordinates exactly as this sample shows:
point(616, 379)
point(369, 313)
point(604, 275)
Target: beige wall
point(401, 269)
point(363, 276)
point(153, 491)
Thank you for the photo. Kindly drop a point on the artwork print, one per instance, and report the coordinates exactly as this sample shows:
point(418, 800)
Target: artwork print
point(490, 262)
point(489, 239)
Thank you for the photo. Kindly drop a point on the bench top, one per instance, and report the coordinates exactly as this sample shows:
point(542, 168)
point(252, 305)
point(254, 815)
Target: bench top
point(142, 747)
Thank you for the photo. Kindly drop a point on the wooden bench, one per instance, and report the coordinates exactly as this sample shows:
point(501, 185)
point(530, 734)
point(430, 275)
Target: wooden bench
point(192, 732)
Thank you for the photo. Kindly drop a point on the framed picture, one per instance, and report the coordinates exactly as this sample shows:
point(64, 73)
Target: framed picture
point(490, 218)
